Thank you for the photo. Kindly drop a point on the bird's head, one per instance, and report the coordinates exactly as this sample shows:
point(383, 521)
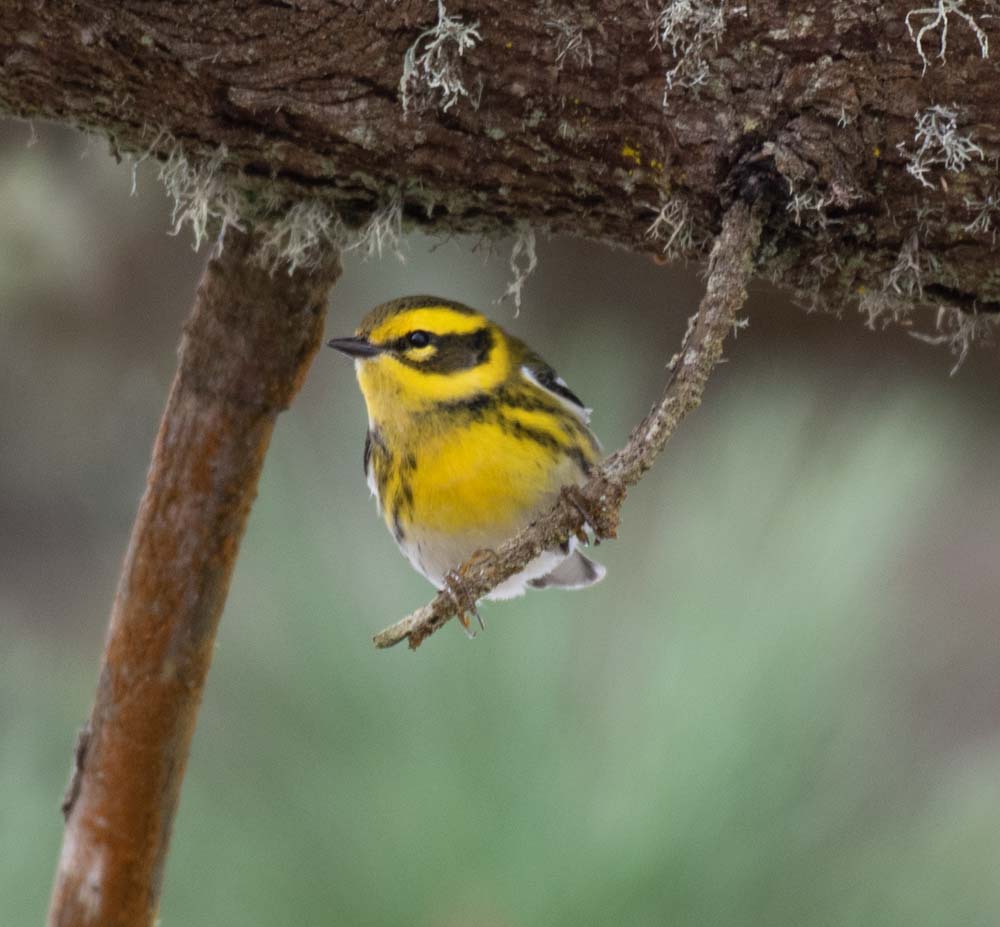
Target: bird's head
point(420, 351)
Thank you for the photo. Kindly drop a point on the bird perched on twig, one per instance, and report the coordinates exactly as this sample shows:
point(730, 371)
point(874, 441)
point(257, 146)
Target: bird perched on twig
point(470, 436)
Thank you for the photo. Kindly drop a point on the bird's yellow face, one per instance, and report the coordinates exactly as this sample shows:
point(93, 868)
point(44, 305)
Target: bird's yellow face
point(416, 353)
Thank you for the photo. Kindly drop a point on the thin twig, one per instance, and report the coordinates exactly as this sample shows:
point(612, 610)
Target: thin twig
point(729, 270)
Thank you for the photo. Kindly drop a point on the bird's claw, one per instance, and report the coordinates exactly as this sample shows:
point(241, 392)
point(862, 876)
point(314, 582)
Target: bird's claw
point(454, 583)
point(591, 518)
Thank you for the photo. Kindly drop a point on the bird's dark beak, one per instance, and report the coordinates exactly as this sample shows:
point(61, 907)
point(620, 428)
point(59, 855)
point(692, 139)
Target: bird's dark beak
point(355, 347)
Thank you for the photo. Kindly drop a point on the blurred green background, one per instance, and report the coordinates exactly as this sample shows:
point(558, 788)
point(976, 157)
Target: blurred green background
point(781, 707)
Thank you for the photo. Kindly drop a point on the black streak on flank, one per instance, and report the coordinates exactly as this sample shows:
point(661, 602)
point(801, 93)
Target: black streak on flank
point(482, 403)
point(378, 462)
point(578, 455)
point(398, 503)
point(402, 500)
point(526, 433)
point(375, 446)
point(543, 438)
point(489, 406)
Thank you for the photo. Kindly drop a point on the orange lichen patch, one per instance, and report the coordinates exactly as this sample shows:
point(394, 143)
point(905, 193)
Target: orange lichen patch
point(632, 154)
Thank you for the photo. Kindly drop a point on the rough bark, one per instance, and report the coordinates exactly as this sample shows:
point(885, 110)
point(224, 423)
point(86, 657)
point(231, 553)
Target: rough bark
point(571, 132)
point(245, 350)
point(598, 502)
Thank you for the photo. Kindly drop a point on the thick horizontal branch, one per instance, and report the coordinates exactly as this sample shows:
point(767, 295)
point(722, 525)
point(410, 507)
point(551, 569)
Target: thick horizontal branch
point(601, 497)
point(568, 117)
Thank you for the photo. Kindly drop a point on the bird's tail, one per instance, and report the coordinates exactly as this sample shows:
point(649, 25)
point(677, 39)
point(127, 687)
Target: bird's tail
point(575, 572)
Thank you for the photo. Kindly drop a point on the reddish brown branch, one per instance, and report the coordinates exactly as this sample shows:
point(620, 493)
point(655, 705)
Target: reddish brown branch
point(245, 350)
point(730, 267)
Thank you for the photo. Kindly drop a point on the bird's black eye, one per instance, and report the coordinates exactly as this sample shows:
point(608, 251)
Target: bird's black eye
point(419, 339)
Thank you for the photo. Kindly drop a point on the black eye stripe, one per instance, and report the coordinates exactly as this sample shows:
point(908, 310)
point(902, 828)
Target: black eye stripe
point(414, 339)
point(454, 351)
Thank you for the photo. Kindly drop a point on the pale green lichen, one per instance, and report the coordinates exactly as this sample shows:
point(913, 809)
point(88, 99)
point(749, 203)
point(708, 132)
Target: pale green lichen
point(987, 215)
point(201, 197)
point(690, 27)
point(671, 228)
point(936, 19)
point(959, 331)
point(903, 285)
point(301, 235)
point(809, 205)
point(906, 276)
point(381, 234)
point(572, 44)
point(941, 144)
point(431, 64)
point(956, 328)
point(295, 234)
point(523, 261)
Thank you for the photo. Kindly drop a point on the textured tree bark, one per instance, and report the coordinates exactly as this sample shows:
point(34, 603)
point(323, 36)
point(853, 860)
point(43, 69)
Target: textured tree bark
point(245, 350)
point(570, 117)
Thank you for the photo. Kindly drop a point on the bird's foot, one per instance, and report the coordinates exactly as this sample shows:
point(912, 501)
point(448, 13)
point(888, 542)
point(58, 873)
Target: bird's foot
point(454, 583)
point(602, 523)
point(575, 497)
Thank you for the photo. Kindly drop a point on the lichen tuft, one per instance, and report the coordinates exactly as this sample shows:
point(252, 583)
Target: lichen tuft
point(431, 66)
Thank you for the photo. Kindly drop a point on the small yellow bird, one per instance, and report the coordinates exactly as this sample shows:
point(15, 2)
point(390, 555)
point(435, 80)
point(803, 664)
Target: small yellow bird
point(470, 436)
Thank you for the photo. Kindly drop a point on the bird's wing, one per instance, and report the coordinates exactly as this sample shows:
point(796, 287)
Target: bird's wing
point(538, 372)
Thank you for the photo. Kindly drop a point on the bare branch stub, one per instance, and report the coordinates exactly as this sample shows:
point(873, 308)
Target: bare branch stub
point(245, 350)
point(730, 268)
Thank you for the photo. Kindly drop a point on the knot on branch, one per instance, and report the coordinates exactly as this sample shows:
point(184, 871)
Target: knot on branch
point(76, 773)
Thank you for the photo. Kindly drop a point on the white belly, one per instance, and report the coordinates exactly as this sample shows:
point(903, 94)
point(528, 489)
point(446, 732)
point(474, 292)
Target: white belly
point(434, 555)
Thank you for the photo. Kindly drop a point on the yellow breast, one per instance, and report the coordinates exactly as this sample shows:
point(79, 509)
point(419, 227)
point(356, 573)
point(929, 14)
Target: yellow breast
point(484, 475)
